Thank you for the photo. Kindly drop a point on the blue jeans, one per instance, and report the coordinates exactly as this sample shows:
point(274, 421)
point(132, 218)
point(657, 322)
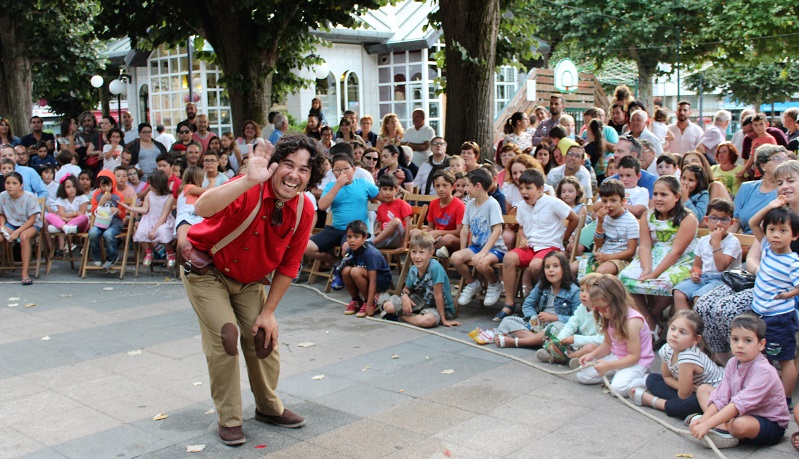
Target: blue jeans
point(109, 235)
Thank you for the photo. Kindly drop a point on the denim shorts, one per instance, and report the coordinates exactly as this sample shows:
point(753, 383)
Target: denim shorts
point(707, 282)
point(476, 249)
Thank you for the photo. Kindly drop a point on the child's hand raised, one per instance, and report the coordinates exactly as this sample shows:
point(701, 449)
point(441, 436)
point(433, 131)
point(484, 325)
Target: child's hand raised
point(716, 236)
point(779, 201)
point(601, 213)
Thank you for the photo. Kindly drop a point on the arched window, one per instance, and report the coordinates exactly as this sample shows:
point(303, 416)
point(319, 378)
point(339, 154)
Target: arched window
point(326, 92)
point(350, 92)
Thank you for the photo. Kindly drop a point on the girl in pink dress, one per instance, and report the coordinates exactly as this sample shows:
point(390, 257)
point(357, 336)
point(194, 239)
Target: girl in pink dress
point(157, 225)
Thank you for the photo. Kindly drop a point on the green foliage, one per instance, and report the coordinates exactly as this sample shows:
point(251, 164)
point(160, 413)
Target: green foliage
point(752, 81)
point(278, 27)
point(743, 28)
point(62, 48)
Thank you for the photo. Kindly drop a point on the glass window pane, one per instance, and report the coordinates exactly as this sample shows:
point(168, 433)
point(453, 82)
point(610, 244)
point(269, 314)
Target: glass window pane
point(401, 110)
point(399, 92)
point(433, 110)
point(164, 67)
point(156, 103)
point(211, 80)
point(416, 91)
point(153, 68)
point(399, 57)
point(175, 83)
point(213, 99)
point(173, 65)
point(165, 102)
point(224, 100)
point(224, 116)
point(384, 75)
point(164, 84)
point(415, 71)
point(213, 115)
point(385, 93)
point(415, 56)
point(434, 124)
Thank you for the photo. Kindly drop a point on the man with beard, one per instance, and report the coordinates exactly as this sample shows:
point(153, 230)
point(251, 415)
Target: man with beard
point(191, 114)
point(556, 106)
point(685, 135)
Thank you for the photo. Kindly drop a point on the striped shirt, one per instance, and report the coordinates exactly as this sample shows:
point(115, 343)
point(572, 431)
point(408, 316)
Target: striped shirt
point(778, 273)
point(711, 373)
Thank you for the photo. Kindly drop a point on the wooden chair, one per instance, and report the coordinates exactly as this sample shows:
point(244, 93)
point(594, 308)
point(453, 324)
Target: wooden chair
point(417, 222)
point(162, 262)
point(315, 270)
point(700, 232)
point(7, 262)
point(125, 235)
point(419, 199)
point(746, 241)
point(577, 232)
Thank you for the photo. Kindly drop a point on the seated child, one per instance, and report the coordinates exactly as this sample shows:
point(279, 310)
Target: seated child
point(579, 336)
point(445, 215)
point(570, 191)
point(616, 232)
point(460, 187)
point(749, 404)
point(667, 165)
point(392, 225)
point(715, 253)
point(540, 218)
point(684, 366)
point(546, 310)
point(636, 197)
point(365, 271)
point(483, 220)
point(626, 353)
point(425, 300)
point(777, 285)
point(494, 190)
point(107, 196)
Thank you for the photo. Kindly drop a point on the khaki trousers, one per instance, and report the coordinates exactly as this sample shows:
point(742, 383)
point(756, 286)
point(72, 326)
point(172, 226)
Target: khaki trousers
point(218, 301)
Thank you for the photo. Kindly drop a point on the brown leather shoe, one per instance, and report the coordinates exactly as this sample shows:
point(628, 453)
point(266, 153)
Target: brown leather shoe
point(231, 436)
point(288, 419)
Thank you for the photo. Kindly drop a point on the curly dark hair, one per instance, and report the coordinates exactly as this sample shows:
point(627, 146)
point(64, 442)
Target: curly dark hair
point(288, 144)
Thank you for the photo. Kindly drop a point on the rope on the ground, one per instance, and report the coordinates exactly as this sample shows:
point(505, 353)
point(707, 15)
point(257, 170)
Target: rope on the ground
point(525, 362)
point(658, 420)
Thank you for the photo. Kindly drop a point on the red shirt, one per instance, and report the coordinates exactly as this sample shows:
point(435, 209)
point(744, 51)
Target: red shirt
point(262, 248)
point(446, 219)
point(394, 209)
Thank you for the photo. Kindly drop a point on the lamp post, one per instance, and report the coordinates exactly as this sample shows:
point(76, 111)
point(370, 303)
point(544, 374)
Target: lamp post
point(117, 87)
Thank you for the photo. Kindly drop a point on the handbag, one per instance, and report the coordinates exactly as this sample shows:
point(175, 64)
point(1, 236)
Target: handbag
point(198, 262)
point(738, 280)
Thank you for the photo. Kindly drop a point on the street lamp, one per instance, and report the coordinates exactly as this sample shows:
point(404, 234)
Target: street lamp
point(117, 87)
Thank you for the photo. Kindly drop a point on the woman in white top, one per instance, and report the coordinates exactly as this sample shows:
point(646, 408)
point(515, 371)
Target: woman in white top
point(516, 132)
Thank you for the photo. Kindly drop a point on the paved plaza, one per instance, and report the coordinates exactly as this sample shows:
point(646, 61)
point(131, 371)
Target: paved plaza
point(85, 370)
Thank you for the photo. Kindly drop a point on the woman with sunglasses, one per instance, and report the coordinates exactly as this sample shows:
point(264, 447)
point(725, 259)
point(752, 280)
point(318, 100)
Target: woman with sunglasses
point(371, 161)
point(6, 137)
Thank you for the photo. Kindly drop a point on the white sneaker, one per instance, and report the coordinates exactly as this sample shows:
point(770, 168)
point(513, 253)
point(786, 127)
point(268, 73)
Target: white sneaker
point(442, 252)
point(493, 291)
point(469, 291)
point(52, 229)
point(97, 263)
point(70, 229)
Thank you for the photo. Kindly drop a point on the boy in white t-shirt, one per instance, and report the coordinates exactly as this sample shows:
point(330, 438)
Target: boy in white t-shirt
point(637, 197)
point(540, 218)
point(715, 253)
point(483, 221)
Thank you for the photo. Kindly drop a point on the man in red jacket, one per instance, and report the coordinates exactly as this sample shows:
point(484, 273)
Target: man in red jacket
point(229, 299)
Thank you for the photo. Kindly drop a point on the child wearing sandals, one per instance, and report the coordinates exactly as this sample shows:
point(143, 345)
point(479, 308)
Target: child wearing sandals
point(749, 404)
point(626, 353)
point(547, 309)
point(685, 364)
point(579, 336)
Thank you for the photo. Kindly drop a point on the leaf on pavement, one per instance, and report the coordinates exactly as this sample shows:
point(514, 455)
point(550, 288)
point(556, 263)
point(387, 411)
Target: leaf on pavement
point(13, 305)
point(448, 372)
point(137, 352)
point(160, 417)
point(194, 448)
point(211, 411)
point(307, 344)
point(108, 288)
point(394, 356)
point(30, 305)
point(45, 338)
point(196, 383)
point(318, 377)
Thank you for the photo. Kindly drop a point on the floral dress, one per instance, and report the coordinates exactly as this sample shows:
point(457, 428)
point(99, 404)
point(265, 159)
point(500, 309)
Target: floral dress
point(663, 233)
point(523, 141)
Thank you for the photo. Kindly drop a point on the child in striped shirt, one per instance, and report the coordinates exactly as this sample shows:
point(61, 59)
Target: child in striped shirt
point(777, 285)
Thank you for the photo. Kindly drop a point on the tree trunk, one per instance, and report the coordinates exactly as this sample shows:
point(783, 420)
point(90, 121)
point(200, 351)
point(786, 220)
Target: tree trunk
point(646, 74)
point(470, 34)
point(16, 81)
point(247, 68)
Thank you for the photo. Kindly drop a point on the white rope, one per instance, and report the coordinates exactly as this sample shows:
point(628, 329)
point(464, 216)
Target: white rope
point(525, 362)
point(109, 282)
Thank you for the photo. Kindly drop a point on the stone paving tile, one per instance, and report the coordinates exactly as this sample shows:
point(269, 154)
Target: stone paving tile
point(18, 386)
point(65, 375)
point(489, 435)
point(15, 444)
point(29, 408)
point(434, 448)
point(302, 386)
point(101, 389)
point(305, 449)
point(423, 416)
point(540, 413)
point(560, 446)
point(53, 428)
point(121, 442)
point(472, 397)
point(43, 454)
point(364, 400)
point(351, 441)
